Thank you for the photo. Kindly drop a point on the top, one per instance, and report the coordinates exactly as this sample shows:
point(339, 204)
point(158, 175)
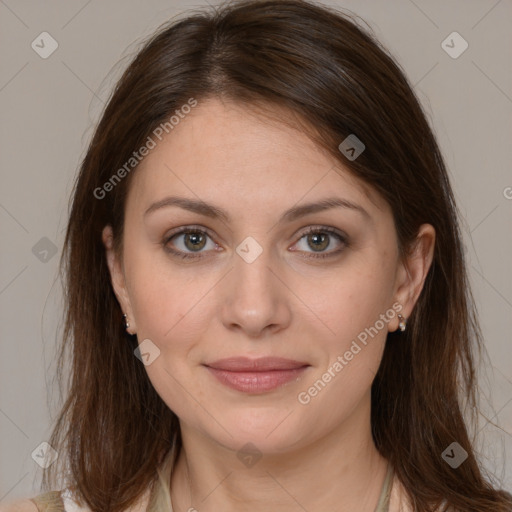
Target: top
point(160, 500)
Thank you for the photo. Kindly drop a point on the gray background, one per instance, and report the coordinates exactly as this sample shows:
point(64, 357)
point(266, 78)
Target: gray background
point(49, 107)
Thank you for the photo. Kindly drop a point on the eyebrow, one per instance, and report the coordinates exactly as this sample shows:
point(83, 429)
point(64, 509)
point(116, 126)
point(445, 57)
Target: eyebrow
point(214, 212)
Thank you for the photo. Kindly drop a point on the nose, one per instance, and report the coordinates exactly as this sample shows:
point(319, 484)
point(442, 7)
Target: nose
point(256, 300)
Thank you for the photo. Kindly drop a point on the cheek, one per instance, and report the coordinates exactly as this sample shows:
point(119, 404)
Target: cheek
point(153, 302)
point(351, 299)
point(168, 309)
point(162, 307)
point(171, 306)
point(351, 306)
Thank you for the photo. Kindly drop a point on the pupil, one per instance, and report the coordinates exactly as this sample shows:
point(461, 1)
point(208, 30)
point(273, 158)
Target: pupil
point(319, 237)
point(195, 239)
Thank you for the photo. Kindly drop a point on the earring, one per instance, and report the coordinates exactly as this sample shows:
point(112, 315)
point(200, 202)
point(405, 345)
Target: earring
point(402, 324)
point(126, 323)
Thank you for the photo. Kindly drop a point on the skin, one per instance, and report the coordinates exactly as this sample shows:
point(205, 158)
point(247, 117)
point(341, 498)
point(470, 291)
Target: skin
point(320, 455)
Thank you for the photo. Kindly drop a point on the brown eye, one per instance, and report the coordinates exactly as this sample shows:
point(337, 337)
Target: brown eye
point(318, 239)
point(194, 240)
point(188, 241)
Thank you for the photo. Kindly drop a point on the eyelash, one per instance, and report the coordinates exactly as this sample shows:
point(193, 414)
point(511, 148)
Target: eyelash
point(309, 231)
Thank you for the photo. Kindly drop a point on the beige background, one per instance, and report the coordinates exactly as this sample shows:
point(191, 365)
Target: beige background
point(49, 107)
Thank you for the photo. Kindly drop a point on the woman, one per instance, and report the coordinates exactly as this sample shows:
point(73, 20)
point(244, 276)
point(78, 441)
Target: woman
point(268, 307)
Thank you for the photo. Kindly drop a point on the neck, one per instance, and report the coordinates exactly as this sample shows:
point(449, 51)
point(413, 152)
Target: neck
point(340, 471)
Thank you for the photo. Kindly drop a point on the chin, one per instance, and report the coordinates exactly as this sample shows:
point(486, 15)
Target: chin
point(270, 432)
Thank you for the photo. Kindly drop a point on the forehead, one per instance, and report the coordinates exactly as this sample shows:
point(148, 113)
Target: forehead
point(238, 154)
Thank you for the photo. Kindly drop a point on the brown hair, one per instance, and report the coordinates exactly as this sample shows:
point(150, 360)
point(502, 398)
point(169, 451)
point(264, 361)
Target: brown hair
point(320, 65)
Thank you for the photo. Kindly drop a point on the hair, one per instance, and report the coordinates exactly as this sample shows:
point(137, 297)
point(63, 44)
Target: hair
point(321, 66)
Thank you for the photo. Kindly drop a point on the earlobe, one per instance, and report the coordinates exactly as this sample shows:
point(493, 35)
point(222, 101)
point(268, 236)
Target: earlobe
point(117, 276)
point(413, 272)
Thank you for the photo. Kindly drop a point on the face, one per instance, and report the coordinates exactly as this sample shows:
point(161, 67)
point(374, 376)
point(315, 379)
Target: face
point(235, 266)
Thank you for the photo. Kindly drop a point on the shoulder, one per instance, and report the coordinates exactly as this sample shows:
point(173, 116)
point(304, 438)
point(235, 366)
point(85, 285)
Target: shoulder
point(24, 505)
point(399, 500)
point(64, 501)
point(48, 501)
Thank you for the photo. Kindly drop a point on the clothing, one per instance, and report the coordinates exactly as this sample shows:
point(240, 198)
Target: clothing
point(159, 499)
point(57, 501)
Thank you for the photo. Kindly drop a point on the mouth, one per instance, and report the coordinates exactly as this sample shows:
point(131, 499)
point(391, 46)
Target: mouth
point(256, 375)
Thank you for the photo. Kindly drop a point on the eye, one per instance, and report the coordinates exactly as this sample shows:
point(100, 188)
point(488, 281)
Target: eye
point(319, 239)
point(189, 240)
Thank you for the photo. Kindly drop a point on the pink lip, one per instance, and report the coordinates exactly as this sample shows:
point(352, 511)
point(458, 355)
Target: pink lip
point(256, 375)
point(261, 364)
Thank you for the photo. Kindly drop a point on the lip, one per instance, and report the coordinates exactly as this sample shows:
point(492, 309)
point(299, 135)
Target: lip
point(261, 364)
point(256, 375)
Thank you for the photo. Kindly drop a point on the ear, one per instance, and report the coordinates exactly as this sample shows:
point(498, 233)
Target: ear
point(117, 277)
point(412, 273)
